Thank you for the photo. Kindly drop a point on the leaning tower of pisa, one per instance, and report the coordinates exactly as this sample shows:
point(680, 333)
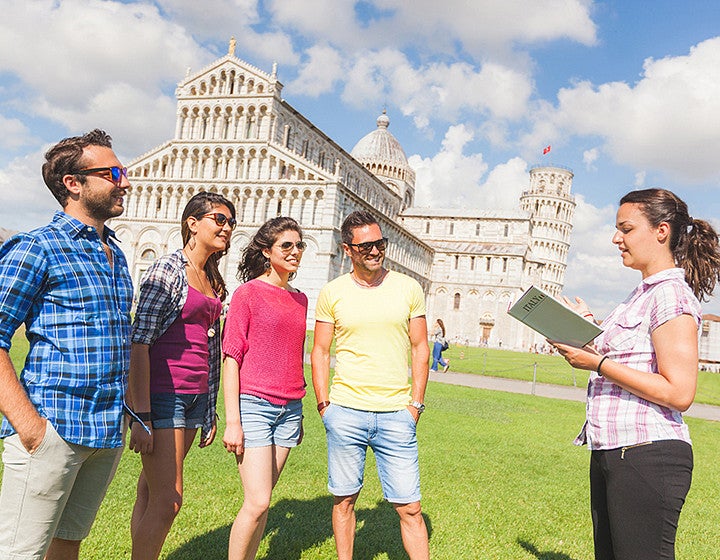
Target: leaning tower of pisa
point(551, 208)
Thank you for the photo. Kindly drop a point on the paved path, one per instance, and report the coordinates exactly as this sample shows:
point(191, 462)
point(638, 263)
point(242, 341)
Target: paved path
point(697, 410)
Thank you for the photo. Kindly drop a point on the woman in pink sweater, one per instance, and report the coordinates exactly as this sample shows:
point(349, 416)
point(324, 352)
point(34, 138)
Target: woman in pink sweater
point(263, 344)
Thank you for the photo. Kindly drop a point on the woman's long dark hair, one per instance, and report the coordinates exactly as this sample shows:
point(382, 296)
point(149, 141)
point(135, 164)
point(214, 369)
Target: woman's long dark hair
point(252, 262)
point(442, 325)
point(199, 205)
point(694, 243)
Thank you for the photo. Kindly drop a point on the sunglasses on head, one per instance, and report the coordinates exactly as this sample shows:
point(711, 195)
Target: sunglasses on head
point(367, 247)
point(286, 246)
point(113, 174)
point(221, 219)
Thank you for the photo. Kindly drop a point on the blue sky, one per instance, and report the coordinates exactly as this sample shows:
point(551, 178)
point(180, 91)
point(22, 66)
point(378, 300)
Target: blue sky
point(627, 92)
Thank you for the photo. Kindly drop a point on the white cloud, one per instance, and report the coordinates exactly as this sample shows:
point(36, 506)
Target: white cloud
point(667, 121)
point(24, 191)
point(136, 119)
point(480, 28)
point(438, 90)
point(452, 179)
point(640, 179)
point(330, 21)
point(449, 178)
point(590, 157)
point(14, 133)
point(318, 75)
point(79, 48)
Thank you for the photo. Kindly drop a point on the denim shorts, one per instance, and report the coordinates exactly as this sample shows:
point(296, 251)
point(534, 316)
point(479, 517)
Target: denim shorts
point(391, 436)
point(178, 410)
point(265, 423)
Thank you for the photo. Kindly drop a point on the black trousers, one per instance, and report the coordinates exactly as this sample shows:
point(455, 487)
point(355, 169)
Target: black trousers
point(636, 495)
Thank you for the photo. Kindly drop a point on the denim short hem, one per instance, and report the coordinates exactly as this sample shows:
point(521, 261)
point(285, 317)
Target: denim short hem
point(277, 443)
point(402, 501)
point(177, 423)
point(338, 493)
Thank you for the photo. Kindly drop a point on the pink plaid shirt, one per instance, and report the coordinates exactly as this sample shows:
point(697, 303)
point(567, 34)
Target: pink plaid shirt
point(616, 417)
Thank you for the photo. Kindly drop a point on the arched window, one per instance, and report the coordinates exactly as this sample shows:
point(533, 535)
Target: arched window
point(456, 301)
point(148, 255)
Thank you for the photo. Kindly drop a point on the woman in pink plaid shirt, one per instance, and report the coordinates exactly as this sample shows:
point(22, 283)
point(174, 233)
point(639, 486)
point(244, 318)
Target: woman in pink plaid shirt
point(644, 375)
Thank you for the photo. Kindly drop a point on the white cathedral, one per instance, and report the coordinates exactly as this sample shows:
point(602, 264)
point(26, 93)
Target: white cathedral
point(237, 136)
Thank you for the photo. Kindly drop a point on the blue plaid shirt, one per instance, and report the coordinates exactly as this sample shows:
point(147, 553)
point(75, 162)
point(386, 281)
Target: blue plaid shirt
point(76, 309)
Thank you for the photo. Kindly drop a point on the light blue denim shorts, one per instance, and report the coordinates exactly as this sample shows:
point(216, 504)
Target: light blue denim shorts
point(178, 410)
point(265, 423)
point(391, 436)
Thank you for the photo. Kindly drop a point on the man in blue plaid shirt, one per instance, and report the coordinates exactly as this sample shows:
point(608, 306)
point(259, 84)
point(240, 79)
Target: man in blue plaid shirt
point(68, 282)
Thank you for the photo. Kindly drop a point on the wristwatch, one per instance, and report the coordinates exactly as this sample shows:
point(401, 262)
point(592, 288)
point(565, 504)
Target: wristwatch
point(420, 406)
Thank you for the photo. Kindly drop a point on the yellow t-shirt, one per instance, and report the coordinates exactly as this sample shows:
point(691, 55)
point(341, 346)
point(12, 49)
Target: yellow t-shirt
point(371, 339)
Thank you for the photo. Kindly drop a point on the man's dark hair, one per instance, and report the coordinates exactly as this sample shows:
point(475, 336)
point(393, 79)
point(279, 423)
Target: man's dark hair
point(354, 220)
point(65, 158)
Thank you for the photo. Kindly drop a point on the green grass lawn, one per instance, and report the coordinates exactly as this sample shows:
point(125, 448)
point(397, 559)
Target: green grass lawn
point(500, 480)
point(550, 369)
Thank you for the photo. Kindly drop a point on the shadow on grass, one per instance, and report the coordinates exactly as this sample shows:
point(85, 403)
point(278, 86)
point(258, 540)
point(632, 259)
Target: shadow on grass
point(542, 555)
point(295, 526)
point(379, 531)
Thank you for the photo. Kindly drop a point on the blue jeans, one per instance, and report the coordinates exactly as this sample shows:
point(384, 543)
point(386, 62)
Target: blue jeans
point(437, 357)
point(391, 436)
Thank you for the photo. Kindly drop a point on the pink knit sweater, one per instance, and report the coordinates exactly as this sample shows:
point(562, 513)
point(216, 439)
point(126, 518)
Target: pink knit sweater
point(265, 333)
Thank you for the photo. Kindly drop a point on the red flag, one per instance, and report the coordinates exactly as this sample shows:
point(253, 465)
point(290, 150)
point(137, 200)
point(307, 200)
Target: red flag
point(546, 150)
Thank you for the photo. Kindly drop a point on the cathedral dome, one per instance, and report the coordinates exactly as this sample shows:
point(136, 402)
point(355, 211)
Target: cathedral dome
point(380, 147)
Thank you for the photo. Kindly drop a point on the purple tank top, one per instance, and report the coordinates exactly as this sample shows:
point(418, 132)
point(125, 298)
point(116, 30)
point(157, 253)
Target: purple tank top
point(179, 357)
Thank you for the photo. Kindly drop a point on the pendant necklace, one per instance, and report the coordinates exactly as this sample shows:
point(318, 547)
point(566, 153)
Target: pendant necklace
point(211, 331)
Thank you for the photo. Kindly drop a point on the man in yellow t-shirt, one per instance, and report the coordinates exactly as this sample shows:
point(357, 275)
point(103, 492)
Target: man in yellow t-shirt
point(375, 316)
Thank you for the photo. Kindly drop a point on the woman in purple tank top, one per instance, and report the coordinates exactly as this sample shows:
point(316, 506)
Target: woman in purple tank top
point(175, 365)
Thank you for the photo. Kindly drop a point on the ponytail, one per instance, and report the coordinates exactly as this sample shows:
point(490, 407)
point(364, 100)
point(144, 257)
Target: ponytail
point(699, 255)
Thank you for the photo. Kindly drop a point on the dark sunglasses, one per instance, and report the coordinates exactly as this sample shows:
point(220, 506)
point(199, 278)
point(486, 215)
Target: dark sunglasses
point(221, 219)
point(286, 246)
point(116, 173)
point(367, 247)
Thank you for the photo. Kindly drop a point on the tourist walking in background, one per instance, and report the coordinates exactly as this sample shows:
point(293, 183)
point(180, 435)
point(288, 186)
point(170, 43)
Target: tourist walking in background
point(175, 365)
point(644, 374)
point(68, 282)
point(263, 381)
point(376, 317)
point(440, 344)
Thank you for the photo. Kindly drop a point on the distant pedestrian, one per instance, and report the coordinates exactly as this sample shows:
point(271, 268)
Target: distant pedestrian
point(440, 344)
point(644, 374)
